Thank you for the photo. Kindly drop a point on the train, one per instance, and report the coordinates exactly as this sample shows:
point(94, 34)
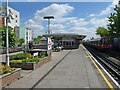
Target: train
point(104, 43)
point(100, 43)
point(115, 42)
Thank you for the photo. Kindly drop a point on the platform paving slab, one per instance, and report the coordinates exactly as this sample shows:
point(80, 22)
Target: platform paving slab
point(31, 77)
point(75, 71)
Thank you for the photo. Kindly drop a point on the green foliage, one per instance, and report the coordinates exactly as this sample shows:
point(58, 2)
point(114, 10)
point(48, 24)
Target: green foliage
point(21, 41)
point(27, 60)
point(26, 57)
point(42, 54)
point(18, 56)
point(17, 61)
point(114, 22)
point(37, 39)
point(32, 60)
point(5, 69)
point(102, 31)
point(11, 36)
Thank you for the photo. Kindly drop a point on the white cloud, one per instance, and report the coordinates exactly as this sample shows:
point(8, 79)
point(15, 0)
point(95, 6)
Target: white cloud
point(57, 10)
point(56, 26)
point(63, 19)
point(107, 11)
point(59, 31)
point(64, 24)
point(91, 15)
point(115, 2)
point(77, 23)
point(97, 22)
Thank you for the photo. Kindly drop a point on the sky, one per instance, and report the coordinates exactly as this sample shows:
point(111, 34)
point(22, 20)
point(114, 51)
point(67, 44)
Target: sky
point(69, 17)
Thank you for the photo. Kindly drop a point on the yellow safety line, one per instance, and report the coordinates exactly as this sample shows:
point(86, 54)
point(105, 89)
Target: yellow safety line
point(104, 77)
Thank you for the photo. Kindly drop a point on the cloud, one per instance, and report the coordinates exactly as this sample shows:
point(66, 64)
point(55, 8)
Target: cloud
point(78, 22)
point(57, 26)
point(91, 15)
point(59, 11)
point(59, 31)
point(56, 10)
point(63, 23)
point(98, 22)
point(115, 2)
point(107, 10)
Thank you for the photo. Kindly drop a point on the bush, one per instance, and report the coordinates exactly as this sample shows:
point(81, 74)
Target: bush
point(26, 60)
point(42, 54)
point(5, 69)
point(18, 56)
point(17, 61)
point(28, 55)
point(31, 60)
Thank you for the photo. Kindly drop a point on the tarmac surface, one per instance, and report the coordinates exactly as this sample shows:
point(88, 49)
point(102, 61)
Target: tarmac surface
point(74, 71)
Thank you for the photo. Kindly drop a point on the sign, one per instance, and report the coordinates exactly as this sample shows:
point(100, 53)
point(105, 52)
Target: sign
point(35, 54)
point(49, 46)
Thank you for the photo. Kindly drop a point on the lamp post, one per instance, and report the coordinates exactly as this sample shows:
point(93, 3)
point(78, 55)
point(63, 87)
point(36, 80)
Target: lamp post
point(48, 17)
point(7, 38)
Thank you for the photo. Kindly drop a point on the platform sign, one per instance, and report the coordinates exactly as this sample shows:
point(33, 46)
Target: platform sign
point(49, 46)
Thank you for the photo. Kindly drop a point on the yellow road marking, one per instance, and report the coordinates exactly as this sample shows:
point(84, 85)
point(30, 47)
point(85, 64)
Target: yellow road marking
point(104, 77)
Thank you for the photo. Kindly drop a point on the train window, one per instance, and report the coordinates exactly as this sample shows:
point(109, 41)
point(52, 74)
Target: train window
point(105, 41)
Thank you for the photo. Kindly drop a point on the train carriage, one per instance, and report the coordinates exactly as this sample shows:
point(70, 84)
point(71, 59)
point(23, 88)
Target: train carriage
point(101, 43)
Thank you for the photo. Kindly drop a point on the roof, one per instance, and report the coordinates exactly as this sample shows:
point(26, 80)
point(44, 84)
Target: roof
point(78, 36)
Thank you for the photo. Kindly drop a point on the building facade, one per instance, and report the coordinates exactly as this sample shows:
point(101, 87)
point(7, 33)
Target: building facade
point(23, 33)
point(29, 35)
point(14, 19)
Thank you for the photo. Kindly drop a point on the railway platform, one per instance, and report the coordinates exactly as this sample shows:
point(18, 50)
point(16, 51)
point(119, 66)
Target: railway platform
point(67, 69)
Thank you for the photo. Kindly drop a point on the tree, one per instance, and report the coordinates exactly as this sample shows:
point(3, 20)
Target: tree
point(21, 41)
point(114, 22)
point(102, 31)
point(11, 35)
point(37, 39)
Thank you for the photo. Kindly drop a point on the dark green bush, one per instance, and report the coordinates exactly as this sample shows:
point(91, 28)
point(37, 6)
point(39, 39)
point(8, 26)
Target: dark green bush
point(42, 54)
point(31, 60)
point(18, 56)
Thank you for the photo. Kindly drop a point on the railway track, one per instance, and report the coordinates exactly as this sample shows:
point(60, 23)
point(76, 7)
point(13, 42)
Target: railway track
point(32, 88)
point(115, 54)
point(110, 66)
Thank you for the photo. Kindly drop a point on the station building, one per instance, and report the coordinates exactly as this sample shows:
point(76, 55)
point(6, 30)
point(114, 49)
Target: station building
point(67, 40)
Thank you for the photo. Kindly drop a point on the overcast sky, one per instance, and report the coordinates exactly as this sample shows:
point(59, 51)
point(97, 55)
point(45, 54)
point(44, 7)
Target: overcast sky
point(70, 17)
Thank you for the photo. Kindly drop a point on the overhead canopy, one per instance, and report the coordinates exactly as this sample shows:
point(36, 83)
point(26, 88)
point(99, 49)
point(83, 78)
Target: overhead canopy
point(74, 35)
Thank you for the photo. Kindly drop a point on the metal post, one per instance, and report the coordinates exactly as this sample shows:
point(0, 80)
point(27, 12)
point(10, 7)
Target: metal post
point(48, 17)
point(7, 38)
point(48, 27)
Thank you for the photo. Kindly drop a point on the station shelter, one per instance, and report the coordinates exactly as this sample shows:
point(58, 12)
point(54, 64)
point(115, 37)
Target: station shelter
point(67, 40)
